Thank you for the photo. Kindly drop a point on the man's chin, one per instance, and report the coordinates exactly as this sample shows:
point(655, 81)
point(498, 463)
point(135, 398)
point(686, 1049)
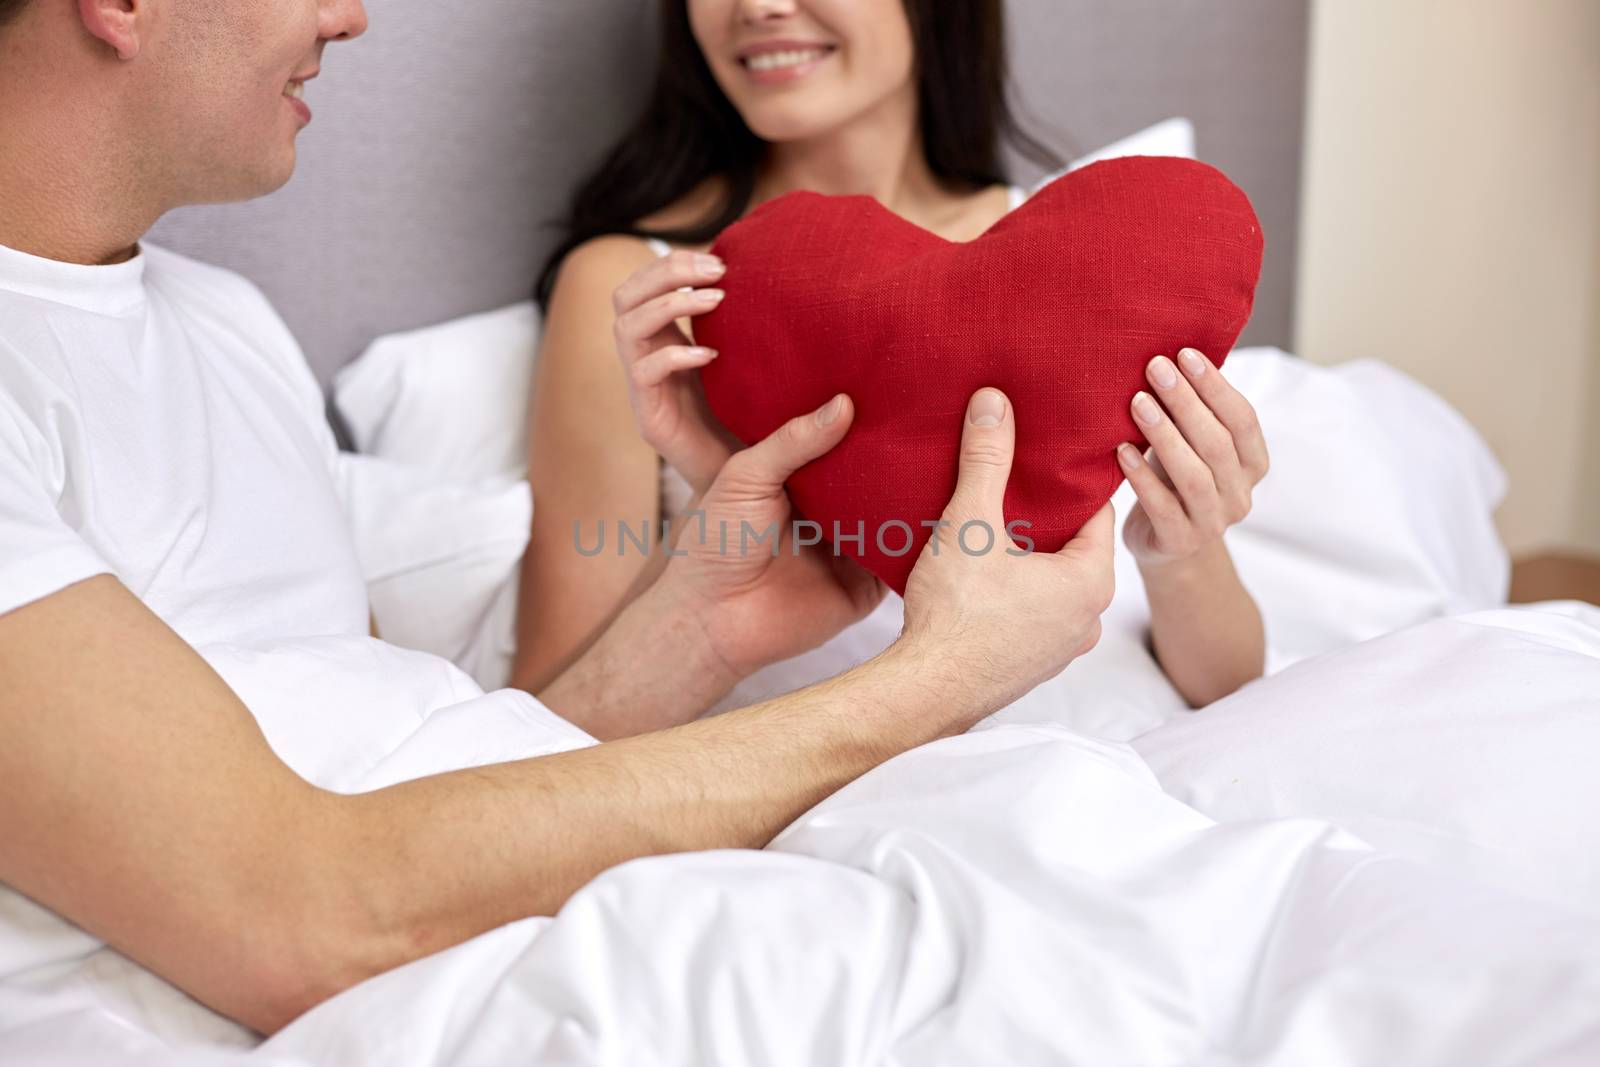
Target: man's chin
point(280, 175)
point(268, 176)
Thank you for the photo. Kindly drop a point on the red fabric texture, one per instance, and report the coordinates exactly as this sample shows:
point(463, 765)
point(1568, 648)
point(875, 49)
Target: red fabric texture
point(1060, 304)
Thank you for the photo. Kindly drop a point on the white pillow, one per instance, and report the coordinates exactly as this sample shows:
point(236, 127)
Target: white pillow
point(1468, 742)
point(452, 398)
point(440, 508)
point(1377, 512)
point(1174, 137)
point(441, 556)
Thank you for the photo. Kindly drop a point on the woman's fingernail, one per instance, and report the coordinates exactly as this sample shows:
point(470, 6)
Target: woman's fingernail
point(1146, 409)
point(830, 411)
point(1128, 456)
point(1194, 364)
point(708, 296)
point(704, 353)
point(708, 264)
point(1163, 373)
point(986, 408)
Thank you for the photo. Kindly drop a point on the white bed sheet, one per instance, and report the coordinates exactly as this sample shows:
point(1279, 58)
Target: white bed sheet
point(1027, 893)
point(1020, 894)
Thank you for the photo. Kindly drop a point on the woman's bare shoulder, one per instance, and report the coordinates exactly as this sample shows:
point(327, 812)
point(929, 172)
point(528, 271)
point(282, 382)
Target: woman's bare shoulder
point(592, 271)
point(606, 261)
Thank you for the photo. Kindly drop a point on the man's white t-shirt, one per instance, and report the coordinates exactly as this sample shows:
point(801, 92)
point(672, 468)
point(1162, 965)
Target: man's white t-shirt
point(158, 422)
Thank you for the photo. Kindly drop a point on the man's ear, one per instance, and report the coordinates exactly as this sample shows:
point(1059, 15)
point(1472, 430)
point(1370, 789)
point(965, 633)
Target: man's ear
point(119, 23)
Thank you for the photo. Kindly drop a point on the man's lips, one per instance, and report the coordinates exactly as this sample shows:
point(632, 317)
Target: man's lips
point(295, 91)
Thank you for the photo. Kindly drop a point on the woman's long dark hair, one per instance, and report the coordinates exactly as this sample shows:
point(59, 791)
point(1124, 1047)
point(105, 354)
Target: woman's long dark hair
point(690, 130)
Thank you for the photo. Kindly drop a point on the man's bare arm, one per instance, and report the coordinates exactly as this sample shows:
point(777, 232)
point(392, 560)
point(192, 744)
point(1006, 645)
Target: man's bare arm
point(139, 799)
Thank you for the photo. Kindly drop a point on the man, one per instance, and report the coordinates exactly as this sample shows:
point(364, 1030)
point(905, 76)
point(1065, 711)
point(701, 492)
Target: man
point(165, 481)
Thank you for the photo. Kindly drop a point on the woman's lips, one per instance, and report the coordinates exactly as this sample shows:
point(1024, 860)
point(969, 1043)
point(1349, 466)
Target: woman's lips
point(781, 68)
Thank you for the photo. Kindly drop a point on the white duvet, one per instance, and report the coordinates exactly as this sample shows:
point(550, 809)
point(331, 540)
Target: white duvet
point(1379, 854)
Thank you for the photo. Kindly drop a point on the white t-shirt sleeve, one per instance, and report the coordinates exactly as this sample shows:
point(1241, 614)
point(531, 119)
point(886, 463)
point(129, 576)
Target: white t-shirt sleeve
point(40, 553)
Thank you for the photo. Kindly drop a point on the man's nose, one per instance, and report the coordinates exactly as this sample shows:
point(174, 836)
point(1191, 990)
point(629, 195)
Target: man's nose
point(342, 20)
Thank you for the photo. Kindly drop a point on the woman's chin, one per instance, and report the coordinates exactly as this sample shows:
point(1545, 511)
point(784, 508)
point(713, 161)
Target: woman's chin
point(780, 125)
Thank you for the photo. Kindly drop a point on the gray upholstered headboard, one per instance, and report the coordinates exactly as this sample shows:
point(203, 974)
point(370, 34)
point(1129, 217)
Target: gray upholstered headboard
point(446, 137)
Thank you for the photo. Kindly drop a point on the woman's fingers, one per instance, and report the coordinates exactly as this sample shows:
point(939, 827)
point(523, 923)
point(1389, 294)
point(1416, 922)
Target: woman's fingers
point(1190, 474)
point(673, 417)
point(663, 275)
point(1231, 408)
point(1206, 434)
point(1160, 502)
point(634, 328)
point(658, 366)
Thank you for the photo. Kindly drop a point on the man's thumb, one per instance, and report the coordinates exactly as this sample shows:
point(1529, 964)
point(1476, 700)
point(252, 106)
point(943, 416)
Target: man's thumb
point(769, 462)
point(1095, 538)
point(988, 440)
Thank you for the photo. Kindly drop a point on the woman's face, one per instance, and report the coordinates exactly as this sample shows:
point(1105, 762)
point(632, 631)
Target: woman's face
point(798, 68)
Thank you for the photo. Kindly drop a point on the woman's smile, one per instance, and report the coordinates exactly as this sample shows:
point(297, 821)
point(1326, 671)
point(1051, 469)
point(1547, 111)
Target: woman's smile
point(766, 65)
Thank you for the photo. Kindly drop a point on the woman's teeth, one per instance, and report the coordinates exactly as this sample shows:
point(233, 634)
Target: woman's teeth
point(779, 60)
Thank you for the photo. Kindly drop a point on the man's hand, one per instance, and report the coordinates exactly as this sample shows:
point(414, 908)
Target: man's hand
point(737, 573)
point(758, 595)
point(995, 620)
point(736, 595)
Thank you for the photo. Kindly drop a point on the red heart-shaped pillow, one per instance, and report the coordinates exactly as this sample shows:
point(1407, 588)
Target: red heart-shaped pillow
point(1060, 304)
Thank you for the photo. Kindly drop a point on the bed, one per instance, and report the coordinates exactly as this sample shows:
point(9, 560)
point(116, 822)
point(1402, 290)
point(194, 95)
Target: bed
point(1381, 852)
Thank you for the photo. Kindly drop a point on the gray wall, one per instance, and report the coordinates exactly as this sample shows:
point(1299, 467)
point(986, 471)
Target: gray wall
point(446, 136)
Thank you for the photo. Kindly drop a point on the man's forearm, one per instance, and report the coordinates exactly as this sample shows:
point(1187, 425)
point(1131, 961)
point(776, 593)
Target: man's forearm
point(649, 670)
point(443, 859)
point(1205, 628)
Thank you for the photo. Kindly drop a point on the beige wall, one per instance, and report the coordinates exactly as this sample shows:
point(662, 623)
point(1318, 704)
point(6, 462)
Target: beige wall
point(1589, 503)
point(1452, 227)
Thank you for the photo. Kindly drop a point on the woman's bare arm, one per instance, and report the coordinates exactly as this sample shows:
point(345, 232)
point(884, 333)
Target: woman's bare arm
point(1205, 628)
point(586, 464)
point(1207, 454)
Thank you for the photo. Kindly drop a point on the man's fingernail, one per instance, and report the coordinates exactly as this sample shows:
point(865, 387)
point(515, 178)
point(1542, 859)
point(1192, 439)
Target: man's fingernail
point(708, 264)
point(830, 411)
point(1194, 364)
point(986, 408)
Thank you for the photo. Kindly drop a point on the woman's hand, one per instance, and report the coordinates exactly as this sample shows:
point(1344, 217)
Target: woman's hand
point(670, 407)
point(1207, 455)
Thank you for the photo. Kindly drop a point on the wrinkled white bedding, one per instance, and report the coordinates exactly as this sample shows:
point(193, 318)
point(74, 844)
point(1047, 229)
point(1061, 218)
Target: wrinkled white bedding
point(1021, 894)
point(1033, 891)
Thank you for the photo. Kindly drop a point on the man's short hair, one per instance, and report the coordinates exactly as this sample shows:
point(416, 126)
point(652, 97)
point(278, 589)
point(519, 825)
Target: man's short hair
point(9, 9)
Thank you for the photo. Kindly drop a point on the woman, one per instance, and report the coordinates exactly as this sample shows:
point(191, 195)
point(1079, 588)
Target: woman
point(902, 100)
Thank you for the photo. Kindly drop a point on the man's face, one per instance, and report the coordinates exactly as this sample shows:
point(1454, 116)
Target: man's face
point(221, 91)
